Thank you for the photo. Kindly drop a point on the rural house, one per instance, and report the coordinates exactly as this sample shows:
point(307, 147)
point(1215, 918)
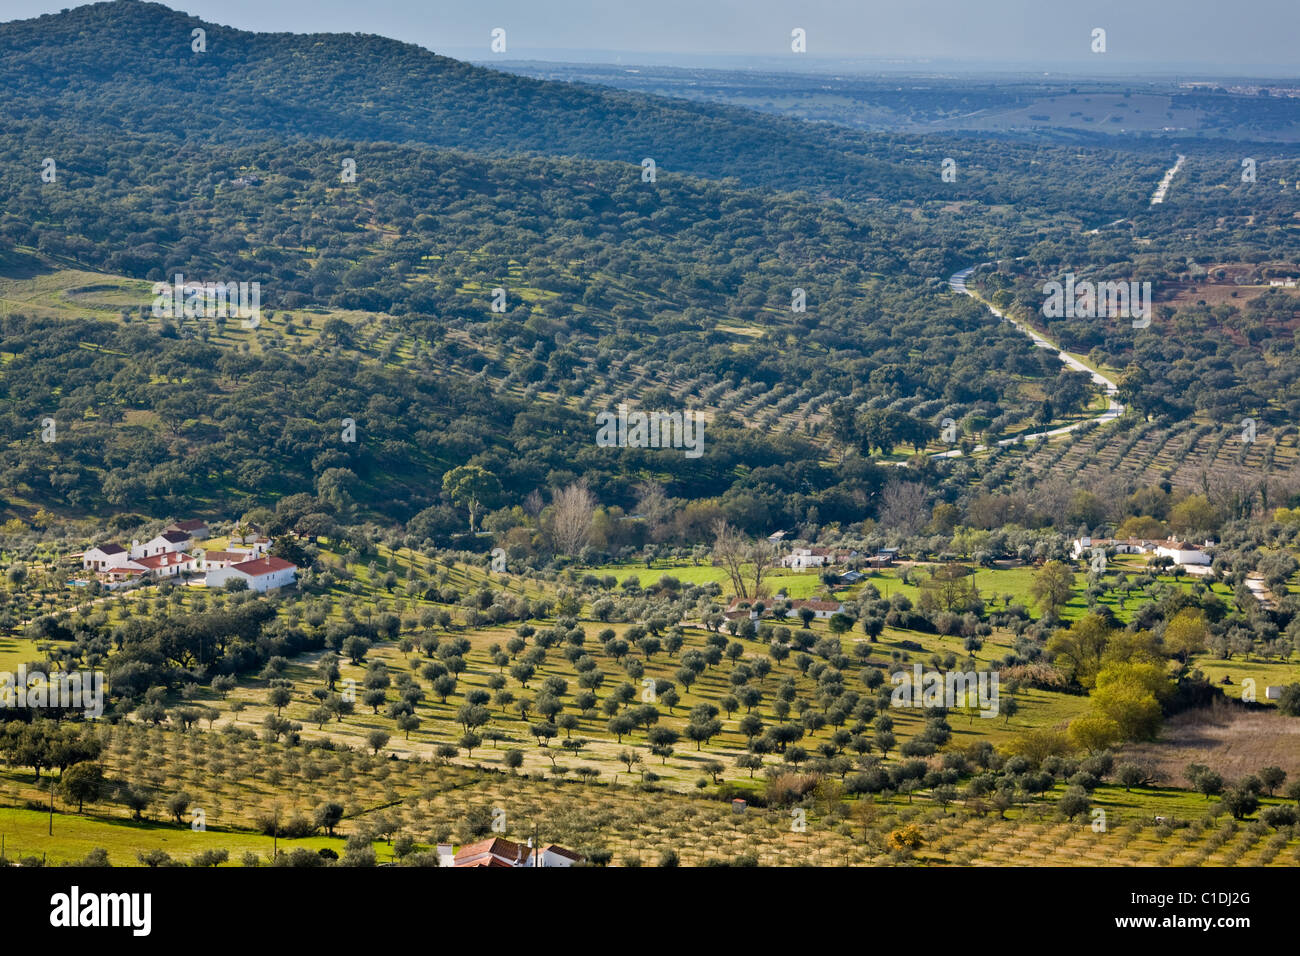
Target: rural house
point(500, 852)
point(261, 574)
point(104, 557)
point(167, 564)
point(801, 559)
point(821, 609)
point(1182, 552)
point(167, 541)
point(738, 609)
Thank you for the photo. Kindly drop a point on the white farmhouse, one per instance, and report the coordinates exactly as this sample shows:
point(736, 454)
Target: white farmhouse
point(166, 564)
point(1182, 552)
point(499, 852)
point(168, 541)
point(821, 609)
point(1082, 547)
point(553, 855)
point(262, 574)
point(104, 557)
point(800, 559)
point(212, 560)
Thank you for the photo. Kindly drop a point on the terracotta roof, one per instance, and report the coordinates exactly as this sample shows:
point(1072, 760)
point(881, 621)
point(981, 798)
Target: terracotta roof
point(235, 556)
point(488, 860)
point(174, 537)
point(109, 548)
point(497, 851)
point(266, 565)
point(165, 560)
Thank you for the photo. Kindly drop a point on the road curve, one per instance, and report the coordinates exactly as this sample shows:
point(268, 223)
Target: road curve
point(1114, 409)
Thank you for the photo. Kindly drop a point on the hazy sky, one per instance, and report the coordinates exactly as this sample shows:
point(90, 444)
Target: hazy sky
point(1247, 36)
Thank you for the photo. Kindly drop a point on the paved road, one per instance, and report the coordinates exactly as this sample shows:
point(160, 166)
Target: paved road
point(1163, 189)
point(1113, 408)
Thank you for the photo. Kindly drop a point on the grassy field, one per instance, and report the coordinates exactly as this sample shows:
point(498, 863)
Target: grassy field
point(26, 833)
point(797, 584)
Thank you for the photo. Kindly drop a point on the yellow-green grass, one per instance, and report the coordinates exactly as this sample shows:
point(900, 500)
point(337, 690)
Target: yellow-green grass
point(26, 833)
point(1265, 674)
point(796, 584)
point(45, 288)
point(71, 293)
point(15, 651)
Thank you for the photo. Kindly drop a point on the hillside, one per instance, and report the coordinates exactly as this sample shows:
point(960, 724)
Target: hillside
point(70, 67)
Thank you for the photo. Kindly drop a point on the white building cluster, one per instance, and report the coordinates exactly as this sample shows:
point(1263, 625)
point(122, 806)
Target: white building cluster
point(173, 553)
point(1182, 552)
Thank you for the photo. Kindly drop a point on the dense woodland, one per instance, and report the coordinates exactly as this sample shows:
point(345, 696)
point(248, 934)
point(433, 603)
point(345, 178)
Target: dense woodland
point(665, 294)
point(1213, 350)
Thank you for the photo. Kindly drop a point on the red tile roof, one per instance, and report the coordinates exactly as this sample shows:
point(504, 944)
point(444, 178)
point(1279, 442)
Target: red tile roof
point(234, 556)
point(261, 566)
point(486, 861)
point(165, 560)
point(495, 852)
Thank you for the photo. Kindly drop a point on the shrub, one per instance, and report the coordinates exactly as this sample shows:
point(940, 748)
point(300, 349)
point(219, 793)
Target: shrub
point(786, 789)
point(1278, 817)
point(300, 857)
point(97, 857)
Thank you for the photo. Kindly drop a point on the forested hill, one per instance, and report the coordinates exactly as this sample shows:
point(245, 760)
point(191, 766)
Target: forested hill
point(226, 164)
point(129, 65)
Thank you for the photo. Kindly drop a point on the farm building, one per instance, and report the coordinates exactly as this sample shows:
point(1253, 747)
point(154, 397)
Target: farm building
point(104, 557)
point(1182, 552)
point(167, 541)
point(801, 559)
point(261, 574)
point(500, 852)
point(167, 564)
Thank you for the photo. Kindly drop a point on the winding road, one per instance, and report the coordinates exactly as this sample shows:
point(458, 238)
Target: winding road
point(1113, 408)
